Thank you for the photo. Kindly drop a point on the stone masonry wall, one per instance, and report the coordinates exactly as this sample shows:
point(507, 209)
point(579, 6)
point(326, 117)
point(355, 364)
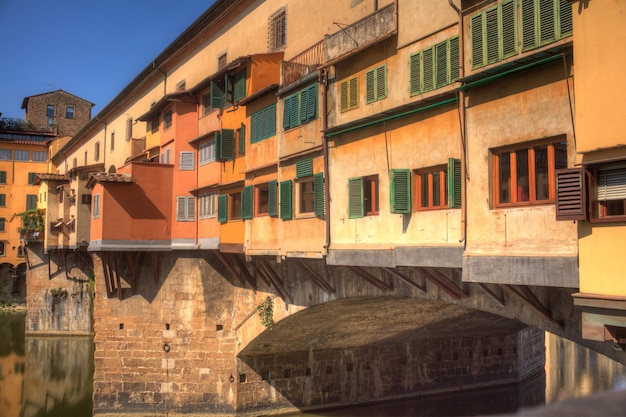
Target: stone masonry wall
point(168, 349)
point(309, 380)
point(37, 106)
point(58, 291)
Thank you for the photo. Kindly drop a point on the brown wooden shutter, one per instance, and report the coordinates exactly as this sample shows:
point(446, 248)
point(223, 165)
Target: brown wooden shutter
point(571, 194)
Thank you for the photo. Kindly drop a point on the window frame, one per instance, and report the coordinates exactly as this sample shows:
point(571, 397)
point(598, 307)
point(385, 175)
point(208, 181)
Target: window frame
point(306, 196)
point(69, 114)
point(514, 197)
point(598, 214)
point(167, 119)
point(442, 171)
point(187, 161)
point(3, 177)
point(262, 200)
point(188, 206)
point(235, 204)
point(359, 188)
point(19, 154)
point(96, 206)
point(3, 200)
point(39, 156)
point(208, 205)
point(6, 154)
point(277, 30)
point(207, 151)
point(32, 176)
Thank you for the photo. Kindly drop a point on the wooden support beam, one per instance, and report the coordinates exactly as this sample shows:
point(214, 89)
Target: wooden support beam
point(531, 301)
point(49, 267)
point(452, 290)
point(371, 278)
point(447, 282)
point(105, 271)
point(496, 297)
point(155, 268)
point(318, 279)
point(58, 260)
point(406, 280)
point(133, 283)
point(222, 258)
point(64, 252)
point(261, 272)
point(244, 270)
point(25, 252)
point(116, 272)
point(277, 281)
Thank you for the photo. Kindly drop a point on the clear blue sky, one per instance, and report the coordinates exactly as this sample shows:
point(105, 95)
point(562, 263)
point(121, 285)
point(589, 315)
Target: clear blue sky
point(91, 49)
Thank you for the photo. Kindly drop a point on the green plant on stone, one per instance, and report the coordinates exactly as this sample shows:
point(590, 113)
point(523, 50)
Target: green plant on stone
point(266, 312)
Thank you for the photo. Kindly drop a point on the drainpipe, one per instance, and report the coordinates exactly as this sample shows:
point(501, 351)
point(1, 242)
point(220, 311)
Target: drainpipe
point(461, 94)
point(154, 65)
point(324, 85)
point(104, 146)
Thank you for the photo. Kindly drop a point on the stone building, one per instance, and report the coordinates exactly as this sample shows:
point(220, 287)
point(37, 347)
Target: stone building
point(57, 111)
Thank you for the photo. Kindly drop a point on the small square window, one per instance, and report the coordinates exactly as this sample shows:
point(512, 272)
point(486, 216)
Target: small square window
point(277, 27)
point(222, 61)
point(69, 112)
point(167, 119)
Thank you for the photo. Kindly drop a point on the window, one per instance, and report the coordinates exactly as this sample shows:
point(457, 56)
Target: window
point(222, 61)
point(31, 201)
point(39, 156)
point(495, 31)
point(222, 208)
point(207, 152)
point(96, 151)
point(263, 124)
point(167, 119)
point(306, 196)
point(21, 155)
point(439, 187)
point(187, 161)
point(285, 200)
point(228, 90)
point(50, 110)
point(181, 85)
point(235, 206)
point(2, 222)
point(185, 209)
point(362, 196)
point(207, 205)
point(277, 31)
point(5, 154)
point(2, 250)
point(154, 124)
point(74, 162)
point(526, 175)
point(96, 206)
point(166, 157)
point(300, 107)
point(69, 112)
point(262, 198)
point(3, 200)
point(239, 85)
point(20, 251)
point(112, 141)
point(435, 67)
point(129, 129)
point(608, 192)
point(247, 204)
point(206, 104)
point(349, 94)
point(32, 176)
point(3, 177)
point(376, 84)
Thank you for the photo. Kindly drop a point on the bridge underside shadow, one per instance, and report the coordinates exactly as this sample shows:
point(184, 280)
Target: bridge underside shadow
point(368, 349)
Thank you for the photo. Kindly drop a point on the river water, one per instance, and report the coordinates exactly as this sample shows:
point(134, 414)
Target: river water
point(52, 377)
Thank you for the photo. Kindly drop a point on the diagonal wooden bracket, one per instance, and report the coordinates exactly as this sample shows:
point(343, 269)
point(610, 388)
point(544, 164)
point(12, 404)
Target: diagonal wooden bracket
point(441, 281)
point(228, 266)
point(244, 270)
point(498, 298)
point(406, 280)
point(316, 278)
point(276, 281)
point(528, 298)
point(371, 278)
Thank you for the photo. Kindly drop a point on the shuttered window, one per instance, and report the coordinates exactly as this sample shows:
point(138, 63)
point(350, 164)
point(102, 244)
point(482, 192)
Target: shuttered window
point(263, 124)
point(185, 208)
point(544, 21)
point(31, 201)
point(362, 196)
point(454, 183)
point(434, 67)
point(349, 94)
point(570, 194)
point(272, 198)
point(609, 196)
point(3, 200)
point(376, 84)
point(494, 34)
point(225, 145)
point(96, 206)
point(222, 208)
point(400, 190)
point(355, 198)
point(241, 141)
point(32, 176)
point(187, 161)
point(207, 152)
point(286, 211)
point(218, 92)
point(318, 190)
point(304, 168)
point(239, 89)
point(3, 177)
point(300, 108)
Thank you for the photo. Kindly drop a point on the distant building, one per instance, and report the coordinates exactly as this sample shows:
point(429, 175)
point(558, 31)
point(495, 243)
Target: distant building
point(57, 111)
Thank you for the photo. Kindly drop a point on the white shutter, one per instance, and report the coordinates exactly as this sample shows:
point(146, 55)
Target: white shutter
point(186, 161)
point(611, 184)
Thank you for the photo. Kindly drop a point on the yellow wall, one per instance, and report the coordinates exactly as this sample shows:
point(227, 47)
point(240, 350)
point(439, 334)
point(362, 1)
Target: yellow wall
point(602, 249)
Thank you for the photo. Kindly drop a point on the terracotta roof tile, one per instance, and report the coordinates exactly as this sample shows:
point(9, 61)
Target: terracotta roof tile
point(106, 177)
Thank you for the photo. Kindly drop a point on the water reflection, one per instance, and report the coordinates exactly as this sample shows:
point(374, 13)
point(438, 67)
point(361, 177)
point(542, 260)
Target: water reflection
point(43, 376)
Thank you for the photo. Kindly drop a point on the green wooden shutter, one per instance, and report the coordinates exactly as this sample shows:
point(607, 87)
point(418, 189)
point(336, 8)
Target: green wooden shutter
point(294, 111)
point(246, 202)
point(318, 194)
point(304, 168)
point(241, 148)
point(287, 103)
point(381, 82)
point(492, 35)
point(508, 33)
point(441, 62)
point(547, 21)
point(454, 183)
point(285, 200)
point(31, 202)
point(270, 115)
point(3, 200)
point(32, 176)
point(217, 94)
point(370, 91)
point(400, 190)
point(416, 73)
point(272, 208)
point(311, 107)
point(355, 198)
point(240, 85)
point(255, 121)
point(229, 87)
point(304, 102)
point(476, 30)
point(226, 145)
point(454, 62)
point(566, 27)
point(529, 27)
point(428, 70)
point(3, 177)
point(222, 208)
